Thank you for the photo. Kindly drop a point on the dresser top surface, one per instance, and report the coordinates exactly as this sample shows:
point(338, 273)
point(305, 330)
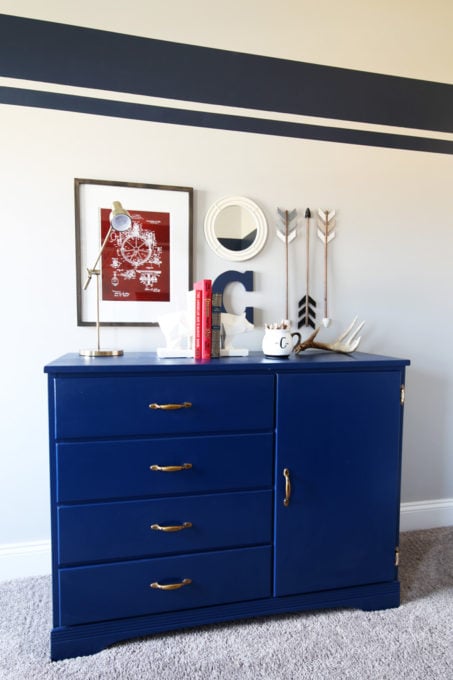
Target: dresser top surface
point(136, 362)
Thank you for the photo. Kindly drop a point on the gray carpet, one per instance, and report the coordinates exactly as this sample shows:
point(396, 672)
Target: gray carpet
point(413, 642)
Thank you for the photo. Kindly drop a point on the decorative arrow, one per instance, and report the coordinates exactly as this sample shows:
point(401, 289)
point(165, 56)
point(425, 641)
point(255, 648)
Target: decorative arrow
point(326, 232)
point(287, 234)
point(284, 232)
point(307, 313)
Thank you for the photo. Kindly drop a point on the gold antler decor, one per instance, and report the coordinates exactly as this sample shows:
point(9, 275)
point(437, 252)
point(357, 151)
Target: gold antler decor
point(346, 343)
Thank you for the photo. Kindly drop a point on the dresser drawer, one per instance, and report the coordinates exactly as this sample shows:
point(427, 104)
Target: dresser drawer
point(100, 407)
point(124, 589)
point(109, 531)
point(122, 469)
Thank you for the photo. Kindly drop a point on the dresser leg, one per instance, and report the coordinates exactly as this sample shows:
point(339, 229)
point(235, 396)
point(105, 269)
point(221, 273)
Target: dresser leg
point(383, 601)
point(62, 647)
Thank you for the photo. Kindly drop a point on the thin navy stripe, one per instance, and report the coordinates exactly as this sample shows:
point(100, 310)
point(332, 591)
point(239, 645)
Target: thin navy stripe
point(85, 57)
point(160, 114)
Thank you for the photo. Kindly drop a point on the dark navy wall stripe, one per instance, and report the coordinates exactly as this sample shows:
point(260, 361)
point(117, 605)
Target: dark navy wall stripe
point(161, 114)
point(58, 53)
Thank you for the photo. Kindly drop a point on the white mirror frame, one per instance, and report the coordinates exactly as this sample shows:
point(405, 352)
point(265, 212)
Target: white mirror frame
point(261, 228)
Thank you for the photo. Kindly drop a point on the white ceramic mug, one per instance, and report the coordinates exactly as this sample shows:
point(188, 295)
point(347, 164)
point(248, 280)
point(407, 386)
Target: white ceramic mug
point(279, 342)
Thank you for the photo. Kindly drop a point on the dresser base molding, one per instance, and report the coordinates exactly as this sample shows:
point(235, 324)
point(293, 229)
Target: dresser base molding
point(88, 639)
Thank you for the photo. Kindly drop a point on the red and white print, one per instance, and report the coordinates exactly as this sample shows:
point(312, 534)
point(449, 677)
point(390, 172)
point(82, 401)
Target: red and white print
point(136, 262)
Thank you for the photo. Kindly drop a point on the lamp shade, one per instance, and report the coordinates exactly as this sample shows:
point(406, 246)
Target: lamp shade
point(120, 219)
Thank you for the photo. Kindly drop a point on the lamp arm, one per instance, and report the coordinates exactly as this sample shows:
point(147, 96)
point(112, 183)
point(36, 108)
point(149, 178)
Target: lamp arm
point(93, 268)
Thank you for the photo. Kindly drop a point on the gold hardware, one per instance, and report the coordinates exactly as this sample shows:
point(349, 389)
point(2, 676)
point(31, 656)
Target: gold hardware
point(177, 527)
point(287, 487)
point(170, 468)
point(402, 394)
point(171, 586)
point(397, 556)
point(171, 407)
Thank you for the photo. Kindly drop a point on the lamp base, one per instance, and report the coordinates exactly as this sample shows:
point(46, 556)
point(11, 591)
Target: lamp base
point(101, 352)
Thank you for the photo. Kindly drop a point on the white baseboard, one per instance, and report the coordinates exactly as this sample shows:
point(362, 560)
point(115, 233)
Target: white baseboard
point(426, 514)
point(18, 560)
point(33, 559)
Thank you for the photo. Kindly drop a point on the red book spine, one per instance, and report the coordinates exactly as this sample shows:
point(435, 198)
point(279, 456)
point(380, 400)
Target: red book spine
point(205, 286)
point(198, 327)
point(207, 320)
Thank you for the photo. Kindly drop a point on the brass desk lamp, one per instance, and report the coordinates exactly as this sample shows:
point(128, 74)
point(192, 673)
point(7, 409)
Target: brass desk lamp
point(120, 220)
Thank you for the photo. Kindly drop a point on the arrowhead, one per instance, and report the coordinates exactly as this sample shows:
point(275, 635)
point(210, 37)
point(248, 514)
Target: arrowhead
point(302, 301)
point(307, 213)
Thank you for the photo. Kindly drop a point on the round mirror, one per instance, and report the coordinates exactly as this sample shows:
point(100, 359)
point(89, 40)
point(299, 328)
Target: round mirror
point(235, 228)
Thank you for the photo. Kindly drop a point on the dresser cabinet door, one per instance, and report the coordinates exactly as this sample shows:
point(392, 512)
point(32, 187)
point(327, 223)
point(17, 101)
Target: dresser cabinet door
point(338, 439)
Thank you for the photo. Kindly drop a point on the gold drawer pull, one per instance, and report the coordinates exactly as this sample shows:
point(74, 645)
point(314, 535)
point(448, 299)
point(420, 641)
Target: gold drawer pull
point(171, 407)
point(171, 586)
point(177, 527)
point(170, 468)
point(287, 487)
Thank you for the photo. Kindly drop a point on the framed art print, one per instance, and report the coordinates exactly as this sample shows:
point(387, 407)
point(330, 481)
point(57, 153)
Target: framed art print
point(146, 270)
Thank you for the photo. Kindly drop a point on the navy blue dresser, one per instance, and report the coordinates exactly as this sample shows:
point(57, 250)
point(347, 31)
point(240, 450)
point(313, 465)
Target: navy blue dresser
point(186, 493)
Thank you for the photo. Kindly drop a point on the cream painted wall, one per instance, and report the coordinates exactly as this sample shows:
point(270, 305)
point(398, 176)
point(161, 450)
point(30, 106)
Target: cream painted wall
point(391, 260)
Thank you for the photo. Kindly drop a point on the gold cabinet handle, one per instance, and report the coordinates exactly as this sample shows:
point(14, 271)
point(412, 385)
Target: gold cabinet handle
point(171, 407)
point(170, 586)
point(170, 468)
point(287, 487)
point(168, 528)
